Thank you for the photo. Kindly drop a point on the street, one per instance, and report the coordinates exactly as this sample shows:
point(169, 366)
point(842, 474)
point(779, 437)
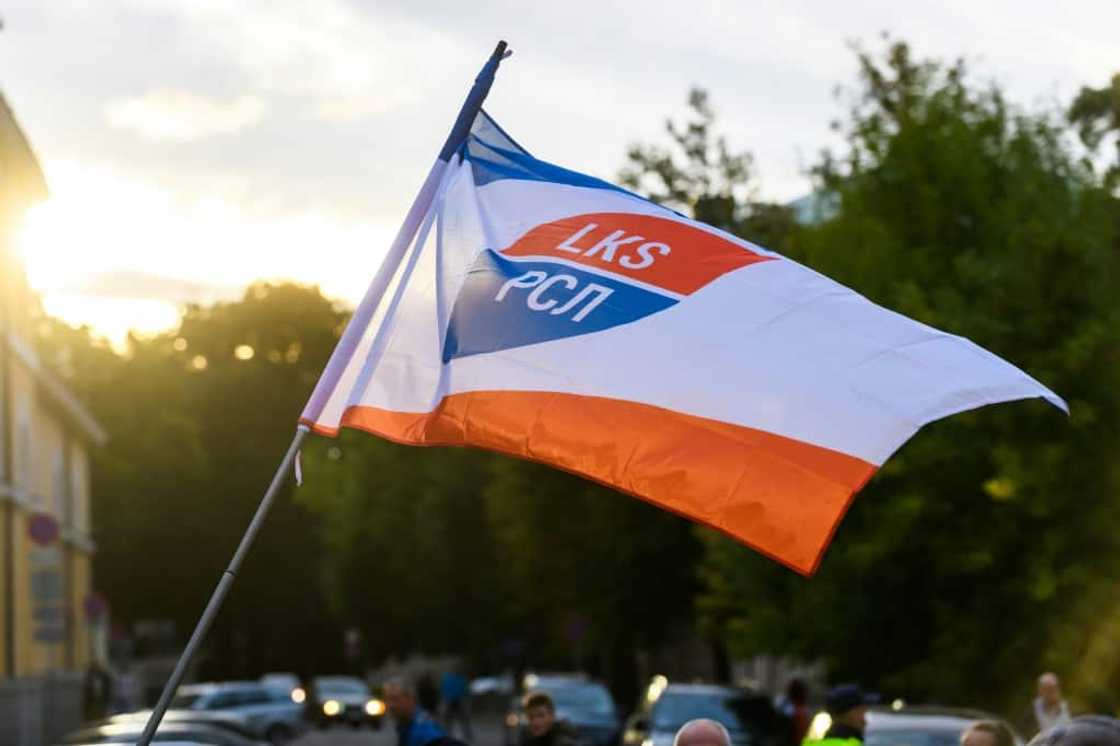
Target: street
point(348, 737)
point(487, 732)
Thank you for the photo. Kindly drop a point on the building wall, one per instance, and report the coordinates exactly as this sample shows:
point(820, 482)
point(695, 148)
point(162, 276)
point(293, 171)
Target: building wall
point(44, 461)
point(7, 508)
point(44, 469)
point(51, 476)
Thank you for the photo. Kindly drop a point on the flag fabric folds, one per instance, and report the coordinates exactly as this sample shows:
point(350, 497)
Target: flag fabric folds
point(553, 316)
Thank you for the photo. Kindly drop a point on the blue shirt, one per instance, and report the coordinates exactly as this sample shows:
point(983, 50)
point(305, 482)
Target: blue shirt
point(452, 687)
point(421, 730)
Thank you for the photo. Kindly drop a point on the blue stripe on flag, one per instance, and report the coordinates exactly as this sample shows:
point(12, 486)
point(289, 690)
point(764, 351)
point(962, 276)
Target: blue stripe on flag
point(494, 155)
point(505, 304)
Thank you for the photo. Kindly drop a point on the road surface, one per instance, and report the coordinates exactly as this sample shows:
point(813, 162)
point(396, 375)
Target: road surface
point(487, 733)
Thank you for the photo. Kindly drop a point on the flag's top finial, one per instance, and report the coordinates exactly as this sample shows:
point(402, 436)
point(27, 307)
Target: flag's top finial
point(474, 101)
point(501, 52)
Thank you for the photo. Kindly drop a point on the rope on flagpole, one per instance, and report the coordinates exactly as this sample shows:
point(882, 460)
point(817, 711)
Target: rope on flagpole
point(339, 359)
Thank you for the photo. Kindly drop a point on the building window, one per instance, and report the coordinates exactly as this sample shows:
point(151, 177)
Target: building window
point(79, 494)
point(24, 460)
point(60, 505)
point(4, 473)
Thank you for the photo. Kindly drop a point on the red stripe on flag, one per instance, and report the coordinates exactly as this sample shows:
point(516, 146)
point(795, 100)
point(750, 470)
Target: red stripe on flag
point(658, 251)
point(778, 495)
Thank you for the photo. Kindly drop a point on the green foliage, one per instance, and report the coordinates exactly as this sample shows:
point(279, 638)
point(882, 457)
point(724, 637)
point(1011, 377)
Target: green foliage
point(956, 568)
point(1096, 113)
point(700, 176)
point(192, 446)
point(408, 554)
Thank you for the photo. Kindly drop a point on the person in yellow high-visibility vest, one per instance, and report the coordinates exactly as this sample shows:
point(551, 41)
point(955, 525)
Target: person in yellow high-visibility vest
point(847, 706)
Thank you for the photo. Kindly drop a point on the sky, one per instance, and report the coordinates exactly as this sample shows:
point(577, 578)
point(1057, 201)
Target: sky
point(194, 146)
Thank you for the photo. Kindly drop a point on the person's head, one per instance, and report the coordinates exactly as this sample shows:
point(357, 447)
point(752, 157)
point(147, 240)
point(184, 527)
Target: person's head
point(400, 698)
point(1087, 730)
point(987, 733)
point(541, 713)
point(1049, 688)
point(797, 692)
point(702, 732)
point(847, 704)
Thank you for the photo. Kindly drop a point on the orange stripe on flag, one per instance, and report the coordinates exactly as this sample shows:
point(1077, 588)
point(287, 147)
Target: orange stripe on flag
point(780, 496)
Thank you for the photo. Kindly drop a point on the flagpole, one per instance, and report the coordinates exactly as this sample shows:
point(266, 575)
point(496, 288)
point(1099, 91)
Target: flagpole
point(337, 364)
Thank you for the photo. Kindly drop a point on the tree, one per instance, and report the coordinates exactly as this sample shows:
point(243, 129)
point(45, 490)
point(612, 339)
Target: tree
point(198, 419)
point(955, 569)
point(699, 175)
point(1096, 113)
point(408, 553)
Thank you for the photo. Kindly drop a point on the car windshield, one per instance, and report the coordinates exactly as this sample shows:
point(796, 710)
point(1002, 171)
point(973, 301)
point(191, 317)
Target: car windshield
point(738, 713)
point(592, 699)
point(183, 701)
point(912, 737)
point(341, 687)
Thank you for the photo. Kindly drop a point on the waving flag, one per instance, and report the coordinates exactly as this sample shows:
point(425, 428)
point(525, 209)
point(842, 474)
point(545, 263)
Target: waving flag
point(553, 316)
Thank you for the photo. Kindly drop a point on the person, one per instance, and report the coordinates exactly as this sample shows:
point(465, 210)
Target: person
point(97, 691)
point(1049, 709)
point(795, 708)
point(1086, 730)
point(455, 704)
point(544, 729)
point(847, 706)
point(987, 733)
point(415, 727)
point(702, 732)
point(427, 693)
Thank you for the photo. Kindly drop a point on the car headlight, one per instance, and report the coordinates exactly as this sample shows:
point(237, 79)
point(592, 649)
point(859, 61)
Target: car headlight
point(375, 707)
point(299, 696)
point(331, 708)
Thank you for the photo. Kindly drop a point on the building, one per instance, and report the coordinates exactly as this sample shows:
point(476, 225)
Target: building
point(48, 613)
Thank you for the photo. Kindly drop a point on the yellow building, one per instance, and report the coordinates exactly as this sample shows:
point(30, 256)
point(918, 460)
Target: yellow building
point(47, 609)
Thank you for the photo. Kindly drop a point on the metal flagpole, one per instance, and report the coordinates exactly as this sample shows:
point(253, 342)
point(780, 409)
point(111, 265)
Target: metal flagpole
point(331, 373)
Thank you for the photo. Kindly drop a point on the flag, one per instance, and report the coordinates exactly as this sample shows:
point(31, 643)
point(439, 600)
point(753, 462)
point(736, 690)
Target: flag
point(542, 313)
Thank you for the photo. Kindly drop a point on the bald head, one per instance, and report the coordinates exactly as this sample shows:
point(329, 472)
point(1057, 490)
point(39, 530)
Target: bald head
point(702, 733)
point(1050, 688)
point(1087, 730)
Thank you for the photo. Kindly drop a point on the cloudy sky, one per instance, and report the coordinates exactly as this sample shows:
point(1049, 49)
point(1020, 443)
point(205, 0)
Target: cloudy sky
point(192, 146)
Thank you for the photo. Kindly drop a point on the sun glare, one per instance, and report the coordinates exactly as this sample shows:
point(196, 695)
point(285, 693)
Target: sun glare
point(119, 253)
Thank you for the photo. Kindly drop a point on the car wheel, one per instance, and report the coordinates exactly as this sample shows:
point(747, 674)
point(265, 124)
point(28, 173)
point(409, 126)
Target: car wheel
point(279, 734)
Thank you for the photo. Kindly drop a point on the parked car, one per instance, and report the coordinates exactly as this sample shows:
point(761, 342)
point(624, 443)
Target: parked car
point(288, 683)
point(221, 720)
point(492, 685)
point(923, 726)
point(344, 699)
point(192, 733)
point(270, 714)
point(586, 705)
point(749, 717)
